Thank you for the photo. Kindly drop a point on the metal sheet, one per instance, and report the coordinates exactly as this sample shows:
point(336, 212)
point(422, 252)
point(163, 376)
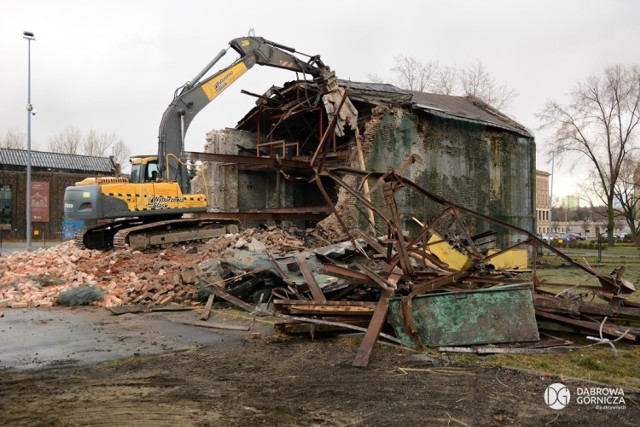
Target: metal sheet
point(501, 314)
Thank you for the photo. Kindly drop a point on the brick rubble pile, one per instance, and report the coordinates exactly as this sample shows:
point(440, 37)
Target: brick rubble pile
point(154, 277)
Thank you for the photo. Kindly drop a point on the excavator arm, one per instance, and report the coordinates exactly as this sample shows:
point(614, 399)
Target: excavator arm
point(199, 92)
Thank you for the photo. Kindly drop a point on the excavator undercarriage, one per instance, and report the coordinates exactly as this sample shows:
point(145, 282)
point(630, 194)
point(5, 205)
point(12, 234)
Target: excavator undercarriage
point(134, 234)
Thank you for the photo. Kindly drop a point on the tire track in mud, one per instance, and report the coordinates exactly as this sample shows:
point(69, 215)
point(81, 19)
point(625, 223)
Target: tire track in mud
point(287, 382)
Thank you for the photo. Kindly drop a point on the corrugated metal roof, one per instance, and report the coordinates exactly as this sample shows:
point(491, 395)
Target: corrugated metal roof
point(382, 92)
point(447, 106)
point(41, 159)
point(469, 109)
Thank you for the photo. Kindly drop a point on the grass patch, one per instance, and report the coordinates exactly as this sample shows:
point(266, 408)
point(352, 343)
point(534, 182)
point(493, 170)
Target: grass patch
point(124, 361)
point(596, 363)
point(551, 268)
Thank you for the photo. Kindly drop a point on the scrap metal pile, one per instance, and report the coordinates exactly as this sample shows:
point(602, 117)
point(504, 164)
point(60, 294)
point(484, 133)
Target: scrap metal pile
point(372, 279)
point(445, 287)
point(475, 292)
point(459, 280)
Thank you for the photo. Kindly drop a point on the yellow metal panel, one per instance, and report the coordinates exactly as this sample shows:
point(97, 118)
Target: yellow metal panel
point(143, 160)
point(514, 258)
point(218, 83)
point(154, 196)
point(446, 253)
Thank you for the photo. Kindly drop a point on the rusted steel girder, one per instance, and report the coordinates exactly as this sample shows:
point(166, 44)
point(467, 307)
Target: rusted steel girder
point(389, 189)
point(615, 284)
point(612, 331)
point(375, 327)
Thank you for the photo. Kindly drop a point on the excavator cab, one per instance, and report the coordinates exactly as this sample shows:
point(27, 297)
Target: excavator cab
point(144, 169)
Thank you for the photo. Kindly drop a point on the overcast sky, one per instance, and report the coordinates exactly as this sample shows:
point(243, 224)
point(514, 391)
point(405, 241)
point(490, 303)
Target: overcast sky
point(113, 65)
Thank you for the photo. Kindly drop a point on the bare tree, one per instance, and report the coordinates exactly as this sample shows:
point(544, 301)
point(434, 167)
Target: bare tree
point(68, 141)
point(599, 124)
point(120, 152)
point(627, 201)
point(13, 139)
point(102, 144)
point(98, 143)
point(477, 81)
point(411, 74)
point(445, 80)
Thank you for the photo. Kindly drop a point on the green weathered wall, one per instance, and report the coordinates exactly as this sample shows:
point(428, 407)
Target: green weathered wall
point(490, 171)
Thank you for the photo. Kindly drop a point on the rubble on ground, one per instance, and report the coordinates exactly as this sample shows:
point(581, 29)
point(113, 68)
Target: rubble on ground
point(316, 280)
point(158, 277)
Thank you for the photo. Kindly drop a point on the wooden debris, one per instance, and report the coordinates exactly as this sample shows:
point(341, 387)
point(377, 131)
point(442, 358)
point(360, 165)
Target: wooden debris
point(212, 325)
point(308, 276)
point(371, 336)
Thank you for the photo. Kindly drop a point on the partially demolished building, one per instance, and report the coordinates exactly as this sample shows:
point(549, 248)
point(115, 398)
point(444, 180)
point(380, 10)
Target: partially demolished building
point(457, 147)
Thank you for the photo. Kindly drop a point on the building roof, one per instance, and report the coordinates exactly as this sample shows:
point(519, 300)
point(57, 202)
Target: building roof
point(466, 108)
point(287, 99)
point(56, 161)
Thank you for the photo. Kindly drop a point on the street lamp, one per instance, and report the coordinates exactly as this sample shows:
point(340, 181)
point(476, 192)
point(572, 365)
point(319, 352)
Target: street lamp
point(553, 163)
point(27, 35)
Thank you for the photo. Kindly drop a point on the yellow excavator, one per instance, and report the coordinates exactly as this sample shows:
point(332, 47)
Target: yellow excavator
point(152, 206)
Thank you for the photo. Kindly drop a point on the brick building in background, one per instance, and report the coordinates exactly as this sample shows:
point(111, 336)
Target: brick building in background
point(543, 203)
point(51, 173)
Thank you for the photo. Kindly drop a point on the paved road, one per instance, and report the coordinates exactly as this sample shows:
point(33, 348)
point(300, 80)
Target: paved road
point(17, 246)
point(38, 338)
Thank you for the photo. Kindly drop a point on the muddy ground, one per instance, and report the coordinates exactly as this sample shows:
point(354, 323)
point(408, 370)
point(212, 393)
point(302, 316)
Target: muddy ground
point(256, 377)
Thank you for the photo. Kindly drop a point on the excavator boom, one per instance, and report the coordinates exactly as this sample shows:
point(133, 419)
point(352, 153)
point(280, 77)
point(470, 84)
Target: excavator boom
point(199, 92)
point(149, 208)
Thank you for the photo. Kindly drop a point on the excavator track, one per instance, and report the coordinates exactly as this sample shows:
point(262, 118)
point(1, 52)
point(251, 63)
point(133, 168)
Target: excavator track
point(169, 232)
point(100, 236)
point(137, 235)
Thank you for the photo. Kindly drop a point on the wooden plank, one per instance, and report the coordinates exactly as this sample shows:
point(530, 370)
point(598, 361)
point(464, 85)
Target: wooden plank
point(340, 324)
point(213, 325)
point(326, 303)
point(375, 326)
point(367, 195)
point(142, 308)
point(321, 310)
point(207, 308)
point(230, 298)
point(308, 277)
point(292, 327)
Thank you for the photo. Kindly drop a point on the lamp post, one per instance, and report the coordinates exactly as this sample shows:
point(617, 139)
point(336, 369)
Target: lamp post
point(28, 36)
point(553, 163)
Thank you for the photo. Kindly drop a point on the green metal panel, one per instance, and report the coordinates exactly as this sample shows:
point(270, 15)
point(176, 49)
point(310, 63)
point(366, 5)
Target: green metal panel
point(501, 314)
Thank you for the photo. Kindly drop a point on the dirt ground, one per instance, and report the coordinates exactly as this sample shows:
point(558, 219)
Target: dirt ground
point(291, 381)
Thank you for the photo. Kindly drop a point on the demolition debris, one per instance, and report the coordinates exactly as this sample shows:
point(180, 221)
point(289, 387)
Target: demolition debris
point(444, 287)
